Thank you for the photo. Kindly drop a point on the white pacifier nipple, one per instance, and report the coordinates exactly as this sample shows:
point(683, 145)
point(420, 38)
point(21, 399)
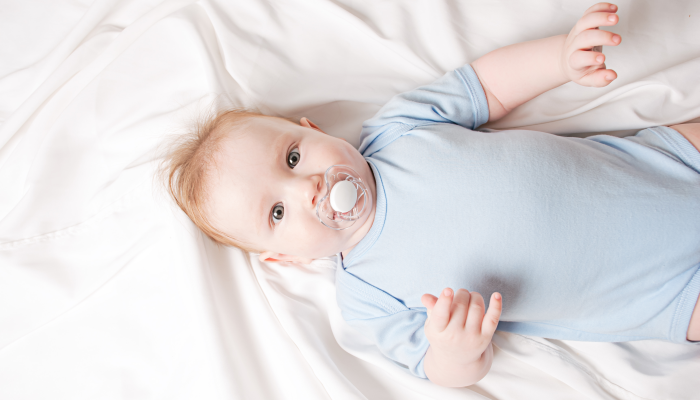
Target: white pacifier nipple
point(343, 196)
point(346, 199)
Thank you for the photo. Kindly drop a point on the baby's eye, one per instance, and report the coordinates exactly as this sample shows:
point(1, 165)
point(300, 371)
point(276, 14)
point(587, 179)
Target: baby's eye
point(277, 213)
point(293, 158)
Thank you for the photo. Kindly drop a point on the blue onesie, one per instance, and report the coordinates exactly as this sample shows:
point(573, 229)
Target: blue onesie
point(594, 239)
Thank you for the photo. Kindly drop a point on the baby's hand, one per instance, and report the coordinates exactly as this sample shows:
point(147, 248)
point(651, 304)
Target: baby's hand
point(457, 328)
point(582, 60)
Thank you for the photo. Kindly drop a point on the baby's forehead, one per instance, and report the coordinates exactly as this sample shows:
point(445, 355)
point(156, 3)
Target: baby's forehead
point(256, 130)
point(251, 148)
point(246, 142)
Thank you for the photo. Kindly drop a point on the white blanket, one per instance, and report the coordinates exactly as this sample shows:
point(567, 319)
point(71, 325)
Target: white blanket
point(108, 291)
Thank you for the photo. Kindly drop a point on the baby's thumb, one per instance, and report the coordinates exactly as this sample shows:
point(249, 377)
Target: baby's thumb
point(428, 301)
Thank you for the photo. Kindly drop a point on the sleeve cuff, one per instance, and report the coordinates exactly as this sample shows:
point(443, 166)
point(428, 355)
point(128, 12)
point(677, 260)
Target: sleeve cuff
point(480, 104)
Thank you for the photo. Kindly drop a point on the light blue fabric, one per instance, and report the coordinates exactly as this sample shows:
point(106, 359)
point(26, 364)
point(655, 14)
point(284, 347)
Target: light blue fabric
point(593, 239)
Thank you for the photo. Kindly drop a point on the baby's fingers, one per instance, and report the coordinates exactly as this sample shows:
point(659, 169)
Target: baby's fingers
point(595, 37)
point(601, 7)
point(428, 301)
point(581, 59)
point(598, 78)
point(476, 313)
point(440, 314)
point(488, 326)
point(594, 20)
point(460, 307)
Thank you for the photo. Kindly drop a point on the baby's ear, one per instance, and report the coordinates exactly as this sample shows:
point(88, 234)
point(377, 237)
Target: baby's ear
point(270, 256)
point(305, 122)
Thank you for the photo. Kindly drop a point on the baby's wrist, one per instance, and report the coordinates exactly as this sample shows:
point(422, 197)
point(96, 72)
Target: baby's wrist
point(460, 359)
point(447, 369)
point(563, 61)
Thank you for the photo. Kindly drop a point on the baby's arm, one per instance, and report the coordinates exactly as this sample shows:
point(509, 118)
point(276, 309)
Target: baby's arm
point(517, 73)
point(459, 333)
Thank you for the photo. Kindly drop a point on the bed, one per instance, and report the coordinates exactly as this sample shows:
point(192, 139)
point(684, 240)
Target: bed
point(108, 291)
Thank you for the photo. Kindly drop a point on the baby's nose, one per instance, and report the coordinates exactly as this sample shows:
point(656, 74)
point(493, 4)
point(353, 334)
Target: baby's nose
point(312, 188)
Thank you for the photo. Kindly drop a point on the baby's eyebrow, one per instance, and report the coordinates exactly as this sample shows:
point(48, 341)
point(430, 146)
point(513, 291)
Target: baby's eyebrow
point(263, 211)
point(259, 211)
point(278, 147)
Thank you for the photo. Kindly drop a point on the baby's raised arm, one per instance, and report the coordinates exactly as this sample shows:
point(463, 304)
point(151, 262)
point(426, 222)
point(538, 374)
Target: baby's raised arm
point(517, 73)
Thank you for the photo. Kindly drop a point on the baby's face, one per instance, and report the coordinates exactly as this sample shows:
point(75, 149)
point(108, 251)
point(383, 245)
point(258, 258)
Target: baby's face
point(269, 179)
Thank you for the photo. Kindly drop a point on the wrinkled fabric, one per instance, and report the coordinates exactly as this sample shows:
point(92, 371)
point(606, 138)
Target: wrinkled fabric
point(108, 291)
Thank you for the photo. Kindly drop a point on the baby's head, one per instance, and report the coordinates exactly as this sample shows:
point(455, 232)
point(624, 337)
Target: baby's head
point(253, 181)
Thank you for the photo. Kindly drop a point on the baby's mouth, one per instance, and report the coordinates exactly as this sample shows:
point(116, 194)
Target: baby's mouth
point(344, 199)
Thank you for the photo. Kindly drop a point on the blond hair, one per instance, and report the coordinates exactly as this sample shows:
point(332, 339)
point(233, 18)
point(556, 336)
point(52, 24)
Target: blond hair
point(189, 162)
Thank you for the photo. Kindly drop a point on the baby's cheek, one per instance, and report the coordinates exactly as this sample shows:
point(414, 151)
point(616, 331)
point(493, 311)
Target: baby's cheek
point(340, 151)
point(322, 241)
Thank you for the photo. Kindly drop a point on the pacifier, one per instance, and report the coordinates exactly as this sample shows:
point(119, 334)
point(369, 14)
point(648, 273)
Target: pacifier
point(346, 198)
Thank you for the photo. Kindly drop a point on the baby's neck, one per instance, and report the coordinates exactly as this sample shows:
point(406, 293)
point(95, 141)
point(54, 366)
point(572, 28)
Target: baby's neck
point(360, 234)
point(367, 225)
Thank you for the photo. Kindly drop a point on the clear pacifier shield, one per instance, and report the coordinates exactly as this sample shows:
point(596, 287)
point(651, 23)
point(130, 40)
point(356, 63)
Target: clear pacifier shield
point(346, 199)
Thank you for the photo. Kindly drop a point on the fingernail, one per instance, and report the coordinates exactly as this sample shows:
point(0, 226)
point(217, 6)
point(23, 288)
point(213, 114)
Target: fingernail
point(611, 18)
point(447, 292)
point(616, 38)
point(599, 59)
point(609, 77)
point(613, 7)
point(497, 296)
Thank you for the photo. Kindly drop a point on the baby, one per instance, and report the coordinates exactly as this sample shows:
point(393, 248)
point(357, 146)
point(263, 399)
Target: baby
point(592, 239)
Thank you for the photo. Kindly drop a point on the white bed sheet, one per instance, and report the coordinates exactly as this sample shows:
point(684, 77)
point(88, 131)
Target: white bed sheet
point(108, 291)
